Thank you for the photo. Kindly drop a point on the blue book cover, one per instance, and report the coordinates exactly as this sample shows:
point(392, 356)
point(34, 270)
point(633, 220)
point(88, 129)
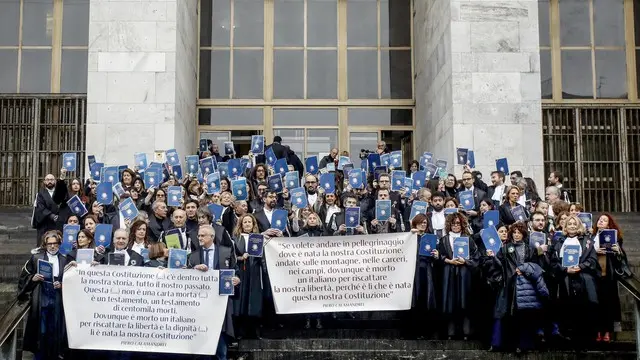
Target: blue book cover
point(192, 164)
point(462, 156)
point(116, 259)
point(96, 171)
point(430, 170)
point(352, 217)
point(118, 189)
point(395, 159)
point(207, 165)
point(270, 157)
point(244, 165)
point(152, 177)
point(239, 188)
point(213, 183)
point(234, 168)
point(346, 168)
point(424, 162)
point(257, 144)
point(419, 179)
point(281, 167)
point(45, 269)
point(502, 165)
point(229, 149)
point(408, 185)
point(364, 165)
point(204, 145)
point(385, 160)
point(216, 212)
point(91, 159)
point(279, 219)
point(373, 161)
point(342, 161)
point(292, 179)
point(145, 255)
point(397, 179)
point(69, 161)
point(177, 171)
point(104, 193)
point(461, 247)
point(328, 183)
point(77, 206)
point(491, 239)
point(174, 196)
point(449, 211)
point(177, 259)
point(441, 164)
point(275, 183)
point(557, 236)
point(69, 237)
point(255, 245)
point(418, 207)
point(466, 200)
point(223, 169)
point(128, 209)
point(85, 256)
point(608, 238)
point(427, 156)
point(311, 165)
point(379, 170)
point(103, 235)
point(471, 159)
point(536, 239)
point(356, 178)
point(490, 218)
point(299, 197)
point(226, 282)
point(518, 213)
point(428, 243)
point(110, 174)
point(571, 255)
point(172, 157)
point(383, 210)
point(199, 177)
point(121, 169)
point(585, 218)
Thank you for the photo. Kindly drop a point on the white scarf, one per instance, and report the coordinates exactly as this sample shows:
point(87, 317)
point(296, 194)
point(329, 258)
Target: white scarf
point(452, 237)
point(571, 241)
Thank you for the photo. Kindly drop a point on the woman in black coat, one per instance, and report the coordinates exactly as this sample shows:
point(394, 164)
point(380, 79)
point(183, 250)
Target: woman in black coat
point(424, 304)
point(513, 194)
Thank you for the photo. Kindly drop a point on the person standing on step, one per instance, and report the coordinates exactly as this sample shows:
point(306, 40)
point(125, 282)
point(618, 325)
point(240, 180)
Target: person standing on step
point(46, 213)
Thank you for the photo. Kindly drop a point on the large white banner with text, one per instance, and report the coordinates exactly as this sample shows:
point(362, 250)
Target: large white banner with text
point(130, 308)
point(342, 273)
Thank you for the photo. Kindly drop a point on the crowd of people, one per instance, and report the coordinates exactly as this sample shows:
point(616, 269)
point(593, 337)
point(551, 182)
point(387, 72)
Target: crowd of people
point(514, 299)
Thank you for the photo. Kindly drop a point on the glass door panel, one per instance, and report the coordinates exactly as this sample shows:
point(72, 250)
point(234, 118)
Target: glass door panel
point(359, 141)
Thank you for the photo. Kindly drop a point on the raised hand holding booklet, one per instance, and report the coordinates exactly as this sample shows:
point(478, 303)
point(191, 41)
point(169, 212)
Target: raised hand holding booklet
point(585, 218)
point(466, 200)
point(104, 193)
point(395, 159)
point(172, 157)
point(174, 196)
point(419, 179)
point(140, 160)
point(608, 238)
point(128, 209)
point(69, 237)
point(462, 156)
point(537, 239)
point(77, 206)
point(356, 178)
point(257, 144)
point(216, 212)
point(397, 179)
point(279, 219)
point(311, 165)
point(418, 207)
point(234, 168)
point(103, 235)
point(239, 188)
point(192, 163)
point(383, 210)
point(213, 183)
point(502, 165)
point(207, 165)
point(491, 239)
point(428, 243)
point(299, 197)
point(328, 183)
point(69, 161)
point(292, 179)
point(275, 183)
point(518, 213)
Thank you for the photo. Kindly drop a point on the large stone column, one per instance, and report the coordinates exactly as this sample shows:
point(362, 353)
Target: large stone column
point(478, 82)
point(141, 93)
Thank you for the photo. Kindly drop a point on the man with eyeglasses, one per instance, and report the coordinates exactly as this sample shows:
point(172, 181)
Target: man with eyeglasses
point(120, 241)
point(337, 225)
point(47, 208)
point(478, 195)
point(311, 186)
point(265, 216)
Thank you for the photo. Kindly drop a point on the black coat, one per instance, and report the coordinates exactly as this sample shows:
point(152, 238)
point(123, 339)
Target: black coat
point(46, 209)
point(135, 259)
point(505, 213)
point(478, 195)
point(609, 310)
point(456, 279)
point(336, 221)
point(264, 224)
point(157, 226)
point(426, 280)
point(250, 271)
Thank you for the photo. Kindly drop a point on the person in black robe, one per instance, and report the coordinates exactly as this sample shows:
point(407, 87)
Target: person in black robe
point(312, 228)
point(46, 212)
point(513, 194)
point(45, 333)
point(457, 274)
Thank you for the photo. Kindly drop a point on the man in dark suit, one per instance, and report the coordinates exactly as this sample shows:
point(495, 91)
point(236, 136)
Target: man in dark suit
point(46, 212)
point(215, 253)
point(478, 195)
point(498, 189)
point(158, 221)
point(120, 240)
point(188, 238)
point(279, 151)
point(264, 216)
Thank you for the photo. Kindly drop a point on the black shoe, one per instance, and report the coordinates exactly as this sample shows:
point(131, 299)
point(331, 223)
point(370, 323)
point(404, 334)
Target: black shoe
point(318, 324)
point(492, 349)
point(307, 325)
point(233, 345)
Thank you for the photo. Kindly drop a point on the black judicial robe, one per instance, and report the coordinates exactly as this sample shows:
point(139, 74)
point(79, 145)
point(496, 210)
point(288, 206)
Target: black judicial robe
point(249, 300)
point(426, 281)
point(54, 343)
point(456, 279)
point(46, 206)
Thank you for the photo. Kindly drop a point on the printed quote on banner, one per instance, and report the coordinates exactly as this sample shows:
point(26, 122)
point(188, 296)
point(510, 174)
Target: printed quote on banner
point(348, 273)
point(129, 308)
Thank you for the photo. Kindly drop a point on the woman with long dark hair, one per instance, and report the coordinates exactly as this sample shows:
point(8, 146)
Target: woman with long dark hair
point(425, 301)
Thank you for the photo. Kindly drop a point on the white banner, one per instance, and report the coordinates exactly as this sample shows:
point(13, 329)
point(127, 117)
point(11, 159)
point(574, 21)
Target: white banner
point(342, 273)
point(129, 308)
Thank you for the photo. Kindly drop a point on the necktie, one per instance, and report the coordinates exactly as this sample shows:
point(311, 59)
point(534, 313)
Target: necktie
point(206, 255)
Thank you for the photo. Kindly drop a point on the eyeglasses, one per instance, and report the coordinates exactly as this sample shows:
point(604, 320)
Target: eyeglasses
point(311, 182)
point(467, 179)
point(53, 244)
point(456, 223)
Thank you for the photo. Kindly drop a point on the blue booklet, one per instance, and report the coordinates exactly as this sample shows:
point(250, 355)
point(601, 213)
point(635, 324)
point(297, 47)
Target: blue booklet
point(69, 161)
point(608, 238)
point(279, 219)
point(69, 237)
point(239, 188)
point(518, 213)
point(352, 217)
point(177, 259)
point(462, 156)
point(192, 163)
point(431, 171)
point(428, 243)
point(275, 183)
point(104, 193)
point(490, 218)
point(537, 239)
point(152, 177)
point(213, 183)
point(226, 282)
point(427, 156)
point(203, 145)
point(449, 211)
point(281, 167)
point(466, 200)
point(408, 186)
point(373, 161)
point(311, 165)
point(342, 161)
point(172, 157)
point(461, 247)
point(96, 171)
point(128, 209)
point(270, 157)
point(84, 256)
point(356, 178)
point(557, 236)
point(45, 269)
point(116, 259)
point(331, 167)
point(229, 149)
point(328, 183)
point(207, 165)
point(397, 179)
point(141, 160)
point(424, 162)
point(216, 212)
point(244, 165)
point(441, 166)
point(91, 159)
point(118, 189)
point(385, 159)
point(299, 197)
point(379, 170)
point(491, 239)
point(77, 206)
point(571, 255)
point(257, 144)
point(419, 179)
point(364, 165)
point(502, 165)
point(234, 167)
point(103, 235)
point(174, 196)
point(110, 174)
point(255, 245)
point(346, 168)
point(177, 171)
point(383, 210)
point(145, 254)
point(418, 207)
point(395, 159)
point(292, 179)
point(223, 169)
point(471, 159)
point(585, 218)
